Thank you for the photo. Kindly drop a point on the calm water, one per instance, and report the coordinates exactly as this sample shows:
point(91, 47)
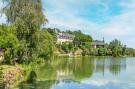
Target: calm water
point(85, 73)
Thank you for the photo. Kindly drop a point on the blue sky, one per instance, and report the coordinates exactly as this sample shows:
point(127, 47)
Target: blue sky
point(99, 18)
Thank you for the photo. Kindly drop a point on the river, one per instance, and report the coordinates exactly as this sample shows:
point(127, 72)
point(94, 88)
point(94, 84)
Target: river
point(84, 73)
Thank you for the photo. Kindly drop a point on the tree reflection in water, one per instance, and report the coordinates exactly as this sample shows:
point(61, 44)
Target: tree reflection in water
point(73, 70)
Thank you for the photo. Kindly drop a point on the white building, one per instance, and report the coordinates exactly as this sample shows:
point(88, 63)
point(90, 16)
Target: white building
point(64, 37)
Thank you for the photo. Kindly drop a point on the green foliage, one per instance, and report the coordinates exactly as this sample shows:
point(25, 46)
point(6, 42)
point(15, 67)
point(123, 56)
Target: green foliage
point(45, 45)
point(29, 11)
point(67, 47)
point(130, 52)
point(93, 51)
point(85, 52)
point(102, 51)
point(27, 17)
point(9, 42)
point(53, 33)
point(116, 48)
point(8, 38)
point(81, 39)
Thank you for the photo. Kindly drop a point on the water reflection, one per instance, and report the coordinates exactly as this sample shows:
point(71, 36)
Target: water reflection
point(37, 85)
point(114, 65)
point(117, 65)
point(32, 77)
point(76, 72)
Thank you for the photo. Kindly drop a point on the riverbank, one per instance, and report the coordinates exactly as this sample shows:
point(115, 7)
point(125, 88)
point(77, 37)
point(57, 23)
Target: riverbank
point(76, 56)
point(12, 75)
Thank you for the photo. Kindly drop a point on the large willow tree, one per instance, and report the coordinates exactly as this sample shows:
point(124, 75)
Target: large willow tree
point(27, 16)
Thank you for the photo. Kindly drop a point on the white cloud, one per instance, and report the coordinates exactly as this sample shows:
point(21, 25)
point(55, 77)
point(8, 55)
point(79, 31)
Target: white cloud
point(71, 22)
point(64, 17)
point(129, 4)
point(2, 19)
point(99, 82)
point(130, 41)
point(121, 25)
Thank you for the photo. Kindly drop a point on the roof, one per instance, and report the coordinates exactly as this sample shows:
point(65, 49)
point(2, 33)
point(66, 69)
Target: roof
point(65, 36)
point(97, 42)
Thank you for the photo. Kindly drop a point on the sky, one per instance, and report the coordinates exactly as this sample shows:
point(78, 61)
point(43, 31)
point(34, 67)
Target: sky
point(99, 18)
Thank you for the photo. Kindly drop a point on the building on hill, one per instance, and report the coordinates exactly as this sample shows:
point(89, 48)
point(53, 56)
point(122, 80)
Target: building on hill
point(98, 43)
point(64, 37)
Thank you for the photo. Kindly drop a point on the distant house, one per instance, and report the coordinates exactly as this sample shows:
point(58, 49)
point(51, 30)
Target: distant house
point(1, 55)
point(98, 43)
point(64, 37)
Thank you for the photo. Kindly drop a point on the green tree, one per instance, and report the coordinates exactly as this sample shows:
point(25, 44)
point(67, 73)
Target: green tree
point(124, 50)
point(53, 32)
point(45, 44)
point(65, 47)
point(102, 51)
point(27, 16)
point(9, 42)
point(93, 51)
point(81, 39)
point(116, 48)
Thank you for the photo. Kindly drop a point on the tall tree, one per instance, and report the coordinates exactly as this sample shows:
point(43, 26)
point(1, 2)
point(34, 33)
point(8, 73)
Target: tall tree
point(27, 16)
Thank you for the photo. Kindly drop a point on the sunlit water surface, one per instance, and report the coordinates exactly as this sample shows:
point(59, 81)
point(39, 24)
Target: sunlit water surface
point(84, 73)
